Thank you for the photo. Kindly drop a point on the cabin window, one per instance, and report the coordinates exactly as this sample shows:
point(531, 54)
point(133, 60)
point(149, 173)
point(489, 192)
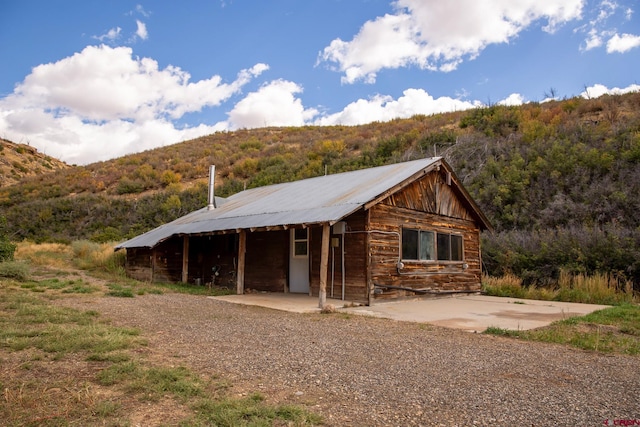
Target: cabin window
point(426, 245)
point(418, 244)
point(449, 247)
point(300, 242)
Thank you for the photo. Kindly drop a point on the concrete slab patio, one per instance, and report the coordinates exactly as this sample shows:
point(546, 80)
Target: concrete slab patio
point(473, 313)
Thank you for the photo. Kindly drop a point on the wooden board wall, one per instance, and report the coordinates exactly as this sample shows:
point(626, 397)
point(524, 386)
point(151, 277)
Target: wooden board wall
point(138, 264)
point(267, 261)
point(431, 194)
point(424, 275)
point(167, 260)
point(428, 204)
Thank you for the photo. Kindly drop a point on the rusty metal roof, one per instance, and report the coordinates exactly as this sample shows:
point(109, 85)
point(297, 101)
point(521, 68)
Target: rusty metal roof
point(323, 199)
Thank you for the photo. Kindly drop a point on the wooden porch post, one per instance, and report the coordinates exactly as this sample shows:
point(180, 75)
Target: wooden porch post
point(242, 249)
point(324, 263)
point(185, 259)
point(367, 254)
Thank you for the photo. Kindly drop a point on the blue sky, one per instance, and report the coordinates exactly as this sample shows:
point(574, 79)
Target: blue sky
point(90, 80)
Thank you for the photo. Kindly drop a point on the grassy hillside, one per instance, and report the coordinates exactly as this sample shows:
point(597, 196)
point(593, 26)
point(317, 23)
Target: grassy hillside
point(18, 161)
point(558, 180)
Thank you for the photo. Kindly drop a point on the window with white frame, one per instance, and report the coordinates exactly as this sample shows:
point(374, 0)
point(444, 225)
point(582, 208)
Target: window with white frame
point(300, 242)
point(427, 245)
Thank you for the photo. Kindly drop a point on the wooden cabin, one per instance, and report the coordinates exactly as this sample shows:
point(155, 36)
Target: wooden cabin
point(387, 232)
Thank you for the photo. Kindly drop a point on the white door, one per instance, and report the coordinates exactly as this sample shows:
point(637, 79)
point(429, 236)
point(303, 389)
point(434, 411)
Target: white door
point(299, 261)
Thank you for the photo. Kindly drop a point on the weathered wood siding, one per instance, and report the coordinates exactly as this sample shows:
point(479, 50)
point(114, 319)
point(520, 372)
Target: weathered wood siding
point(355, 269)
point(167, 261)
point(372, 249)
point(431, 194)
point(267, 261)
point(428, 204)
point(138, 264)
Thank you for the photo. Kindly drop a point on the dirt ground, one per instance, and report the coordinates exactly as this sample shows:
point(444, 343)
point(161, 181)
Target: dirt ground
point(363, 371)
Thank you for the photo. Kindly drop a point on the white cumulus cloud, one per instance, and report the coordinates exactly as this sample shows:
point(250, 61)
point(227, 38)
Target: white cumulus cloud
point(274, 104)
point(512, 100)
point(593, 40)
point(110, 36)
point(601, 25)
point(623, 43)
point(141, 30)
point(439, 35)
point(385, 108)
point(598, 90)
point(277, 104)
point(102, 102)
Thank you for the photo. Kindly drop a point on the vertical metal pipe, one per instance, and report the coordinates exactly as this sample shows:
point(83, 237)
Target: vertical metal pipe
point(212, 181)
point(333, 267)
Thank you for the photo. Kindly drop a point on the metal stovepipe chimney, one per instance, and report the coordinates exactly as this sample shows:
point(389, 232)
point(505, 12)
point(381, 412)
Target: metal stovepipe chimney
point(212, 181)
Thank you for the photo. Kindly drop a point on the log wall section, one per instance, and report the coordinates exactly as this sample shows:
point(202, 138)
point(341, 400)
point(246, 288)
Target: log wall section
point(427, 204)
point(138, 264)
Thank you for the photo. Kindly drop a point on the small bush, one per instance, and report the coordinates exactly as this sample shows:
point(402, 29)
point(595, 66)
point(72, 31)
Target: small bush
point(84, 248)
point(170, 177)
point(494, 330)
point(505, 286)
point(92, 256)
point(129, 186)
point(7, 249)
point(107, 234)
point(115, 262)
point(16, 270)
point(121, 293)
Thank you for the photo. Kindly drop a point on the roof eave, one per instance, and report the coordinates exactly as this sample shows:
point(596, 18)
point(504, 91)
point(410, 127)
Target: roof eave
point(402, 185)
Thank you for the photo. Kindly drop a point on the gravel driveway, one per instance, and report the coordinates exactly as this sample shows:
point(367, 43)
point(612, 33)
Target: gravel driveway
point(364, 371)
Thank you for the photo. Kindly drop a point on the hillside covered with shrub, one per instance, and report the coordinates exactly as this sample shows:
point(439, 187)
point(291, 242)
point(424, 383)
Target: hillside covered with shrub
point(18, 161)
point(559, 180)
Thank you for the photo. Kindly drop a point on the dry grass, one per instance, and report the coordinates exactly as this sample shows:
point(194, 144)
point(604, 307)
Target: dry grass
point(82, 254)
point(91, 256)
point(598, 288)
point(55, 255)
